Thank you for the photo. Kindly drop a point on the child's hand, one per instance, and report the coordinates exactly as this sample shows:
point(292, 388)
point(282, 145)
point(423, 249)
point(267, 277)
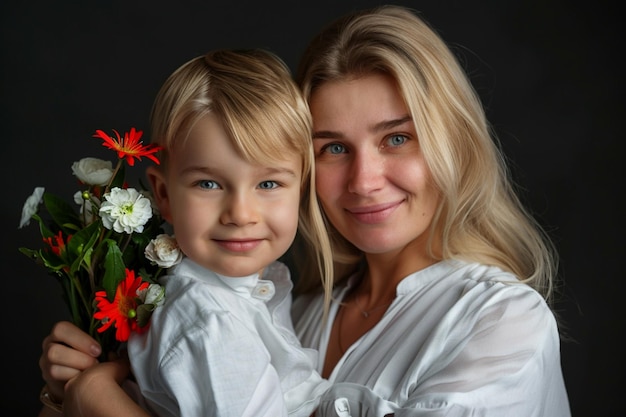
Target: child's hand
point(67, 351)
point(97, 392)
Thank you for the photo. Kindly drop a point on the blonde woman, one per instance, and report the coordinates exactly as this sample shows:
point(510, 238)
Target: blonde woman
point(443, 278)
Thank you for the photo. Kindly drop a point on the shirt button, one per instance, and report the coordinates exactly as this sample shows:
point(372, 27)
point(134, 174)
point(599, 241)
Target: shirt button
point(342, 407)
point(263, 291)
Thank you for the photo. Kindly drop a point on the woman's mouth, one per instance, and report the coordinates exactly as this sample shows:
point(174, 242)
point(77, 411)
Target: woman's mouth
point(373, 214)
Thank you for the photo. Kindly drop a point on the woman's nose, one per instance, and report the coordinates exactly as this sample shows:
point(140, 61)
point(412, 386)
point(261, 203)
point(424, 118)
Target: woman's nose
point(366, 172)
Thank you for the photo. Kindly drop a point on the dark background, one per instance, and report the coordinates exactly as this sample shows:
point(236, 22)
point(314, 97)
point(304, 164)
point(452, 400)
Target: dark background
point(549, 73)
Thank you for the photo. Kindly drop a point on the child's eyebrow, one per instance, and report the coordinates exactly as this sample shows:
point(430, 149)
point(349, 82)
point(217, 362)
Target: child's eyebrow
point(196, 169)
point(264, 170)
point(278, 170)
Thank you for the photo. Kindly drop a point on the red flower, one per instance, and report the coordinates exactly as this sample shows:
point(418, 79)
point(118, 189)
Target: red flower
point(56, 243)
point(129, 147)
point(123, 310)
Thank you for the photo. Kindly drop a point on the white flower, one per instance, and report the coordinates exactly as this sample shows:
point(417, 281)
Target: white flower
point(86, 206)
point(154, 294)
point(125, 210)
point(93, 171)
point(164, 251)
point(31, 206)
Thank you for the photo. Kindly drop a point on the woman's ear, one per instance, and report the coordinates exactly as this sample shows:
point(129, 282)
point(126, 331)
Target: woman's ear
point(156, 177)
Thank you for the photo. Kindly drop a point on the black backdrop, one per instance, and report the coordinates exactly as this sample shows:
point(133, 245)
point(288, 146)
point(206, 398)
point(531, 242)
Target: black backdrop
point(547, 71)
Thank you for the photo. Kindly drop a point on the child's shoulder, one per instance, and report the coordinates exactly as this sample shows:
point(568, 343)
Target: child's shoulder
point(277, 272)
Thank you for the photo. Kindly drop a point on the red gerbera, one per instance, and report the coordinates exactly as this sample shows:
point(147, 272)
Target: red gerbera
point(123, 310)
point(129, 147)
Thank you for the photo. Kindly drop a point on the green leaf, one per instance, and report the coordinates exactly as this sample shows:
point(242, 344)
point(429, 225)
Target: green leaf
point(149, 276)
point(45, 232)
point(144, 312)
point(73, 303)
point(51, 261)
point(61, 212)
point(32, 254)
point(114, 269)
point(80, 246)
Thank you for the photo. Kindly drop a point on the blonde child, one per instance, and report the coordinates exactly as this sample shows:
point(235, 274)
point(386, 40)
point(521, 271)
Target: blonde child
point(236, 182)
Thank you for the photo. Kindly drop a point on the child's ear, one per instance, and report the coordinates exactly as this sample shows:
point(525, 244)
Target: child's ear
point(156, 177)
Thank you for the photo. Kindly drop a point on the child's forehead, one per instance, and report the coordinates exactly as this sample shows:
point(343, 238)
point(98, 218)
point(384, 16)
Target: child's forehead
point(222, 152)
point(236, 171)
point(207, 143)
point(254, 151)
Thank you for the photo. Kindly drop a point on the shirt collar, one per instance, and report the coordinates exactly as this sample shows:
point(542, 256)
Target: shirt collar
point(246, 286)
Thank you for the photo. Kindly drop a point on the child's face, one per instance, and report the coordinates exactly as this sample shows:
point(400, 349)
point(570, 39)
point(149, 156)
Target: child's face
point(228, 215)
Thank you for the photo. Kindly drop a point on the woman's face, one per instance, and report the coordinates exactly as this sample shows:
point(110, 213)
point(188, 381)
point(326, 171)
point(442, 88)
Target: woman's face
point(372, 180)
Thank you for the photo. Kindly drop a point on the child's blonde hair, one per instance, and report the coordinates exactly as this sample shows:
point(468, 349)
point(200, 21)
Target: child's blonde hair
point(265, 116)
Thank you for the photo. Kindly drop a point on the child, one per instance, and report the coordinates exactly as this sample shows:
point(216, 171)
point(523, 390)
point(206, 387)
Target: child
point(237, 164)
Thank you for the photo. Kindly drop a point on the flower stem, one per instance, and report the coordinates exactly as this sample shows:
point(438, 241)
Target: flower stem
point(115, 171)
point(126, 242)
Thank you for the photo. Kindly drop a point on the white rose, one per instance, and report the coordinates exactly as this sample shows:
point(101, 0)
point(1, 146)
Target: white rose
point(93, 171)
point(125, 210)
point(154, 294)
point(31, 205)
point(164, 251)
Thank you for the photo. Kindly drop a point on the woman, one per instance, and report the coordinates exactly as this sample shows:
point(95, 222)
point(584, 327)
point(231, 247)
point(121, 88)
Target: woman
point(444, 312)
point(444, 280)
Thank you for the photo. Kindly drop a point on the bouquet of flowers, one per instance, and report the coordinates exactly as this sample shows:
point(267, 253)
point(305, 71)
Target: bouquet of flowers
point(108, 248)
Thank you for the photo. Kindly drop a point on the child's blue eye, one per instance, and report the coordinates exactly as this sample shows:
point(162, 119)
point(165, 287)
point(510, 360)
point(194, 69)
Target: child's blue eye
point(268, 185)
point(208, 184)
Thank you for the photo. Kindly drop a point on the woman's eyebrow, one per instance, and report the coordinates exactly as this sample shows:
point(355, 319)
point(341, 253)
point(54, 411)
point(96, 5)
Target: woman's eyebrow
point(326, 134)
point(390, 124)
point(377, 127)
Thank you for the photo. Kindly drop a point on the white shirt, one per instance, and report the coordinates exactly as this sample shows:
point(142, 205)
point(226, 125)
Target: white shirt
point(224, 346)
point(456, 341)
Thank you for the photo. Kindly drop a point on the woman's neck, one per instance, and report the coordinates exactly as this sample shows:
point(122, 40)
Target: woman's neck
point(384, 272)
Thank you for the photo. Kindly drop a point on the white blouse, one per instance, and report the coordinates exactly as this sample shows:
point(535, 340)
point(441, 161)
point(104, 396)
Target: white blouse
point(460, 339)
point(225, 347)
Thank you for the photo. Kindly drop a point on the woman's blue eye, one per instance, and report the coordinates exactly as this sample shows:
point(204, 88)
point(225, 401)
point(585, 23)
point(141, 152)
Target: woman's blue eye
point(268, 185)
point(208, 184)
point(335, 148)
point(396, 140)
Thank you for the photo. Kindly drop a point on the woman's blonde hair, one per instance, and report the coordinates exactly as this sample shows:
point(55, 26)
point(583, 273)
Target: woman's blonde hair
point(480, 218)
point(265, 116)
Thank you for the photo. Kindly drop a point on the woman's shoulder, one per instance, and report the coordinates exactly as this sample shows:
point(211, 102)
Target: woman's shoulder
point(475, 290)
point(468, 275)
point(481, 305)
point(495, 296)
point(494, 280)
